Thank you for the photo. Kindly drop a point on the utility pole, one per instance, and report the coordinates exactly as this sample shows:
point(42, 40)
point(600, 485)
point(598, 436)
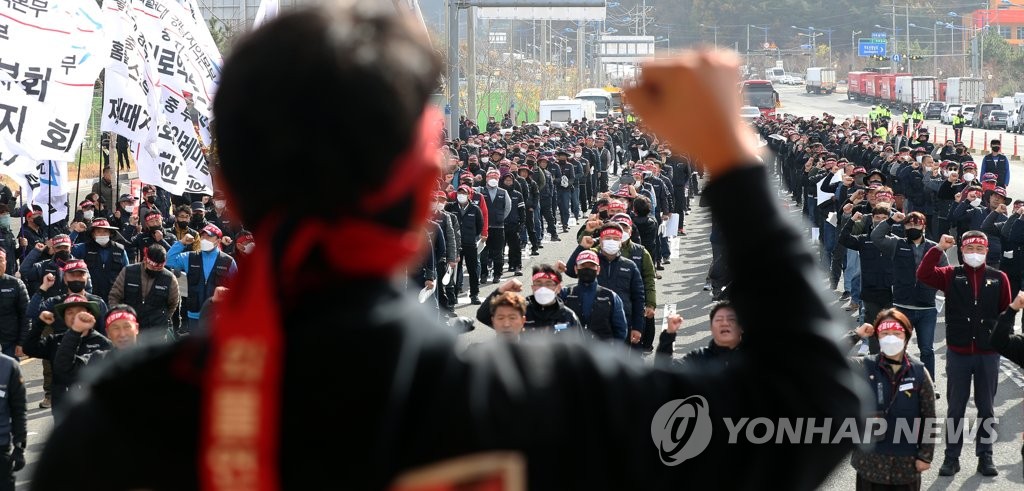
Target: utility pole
point(853, 50)
point(894, 36)
point(471, 63)
point(908, 38)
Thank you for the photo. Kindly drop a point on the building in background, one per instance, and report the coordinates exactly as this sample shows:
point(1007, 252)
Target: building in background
point(1005, 18)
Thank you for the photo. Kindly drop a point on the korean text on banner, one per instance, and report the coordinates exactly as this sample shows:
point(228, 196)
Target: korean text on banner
point(46, 91)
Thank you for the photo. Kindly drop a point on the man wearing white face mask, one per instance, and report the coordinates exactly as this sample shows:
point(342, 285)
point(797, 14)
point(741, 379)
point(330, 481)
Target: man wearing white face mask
point(499, 205)
point(618, 274)
point(544, 309)
point(976, 295)
point(205, 270)
point(104, 254)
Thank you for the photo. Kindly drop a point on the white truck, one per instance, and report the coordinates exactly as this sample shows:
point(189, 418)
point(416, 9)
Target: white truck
point(601, 98)
point(911, 91)
point(820, 80)
point(965, 91)
point(567, 110)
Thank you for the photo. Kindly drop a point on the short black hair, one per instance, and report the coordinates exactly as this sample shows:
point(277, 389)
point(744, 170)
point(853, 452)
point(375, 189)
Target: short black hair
point(336, 50)
point(156, 253)
point(642, 206)
point(724, 304)
point(183, 209)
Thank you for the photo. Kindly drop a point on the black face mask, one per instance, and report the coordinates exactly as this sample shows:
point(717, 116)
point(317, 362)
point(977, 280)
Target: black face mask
point(39, 221)
point(914, 234)
point(151, 273)
point(197, 219)
point(586, 275)
point(996, 148)
point(150, 199)
point(603, 214)
point(182, 225)
point(63, 256)
point(75, 286)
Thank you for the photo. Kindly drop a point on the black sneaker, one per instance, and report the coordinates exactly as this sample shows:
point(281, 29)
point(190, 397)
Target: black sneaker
point(986, 467)
point(952, 466)
point(659, 268)
point(519, 272)
point(474, 300)
point(845, 296)
point(554, 238)
point(535, 252)
point(666, 261)
point(496, 280)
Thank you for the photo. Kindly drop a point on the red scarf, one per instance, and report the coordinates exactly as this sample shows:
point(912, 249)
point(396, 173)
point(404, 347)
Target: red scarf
point(242, 384)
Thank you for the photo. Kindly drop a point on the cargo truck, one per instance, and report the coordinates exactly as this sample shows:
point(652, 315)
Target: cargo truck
point(820, 80)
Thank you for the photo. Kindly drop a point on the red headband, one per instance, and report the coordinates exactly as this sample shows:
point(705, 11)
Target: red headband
point(121, 316)
point(240, 427)
point(890, 325)
point(544, 275)
point(610, 232)
point(974, 240)
point(883, 194)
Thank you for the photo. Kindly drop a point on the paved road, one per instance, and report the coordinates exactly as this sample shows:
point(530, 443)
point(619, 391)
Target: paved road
point(1011, 382)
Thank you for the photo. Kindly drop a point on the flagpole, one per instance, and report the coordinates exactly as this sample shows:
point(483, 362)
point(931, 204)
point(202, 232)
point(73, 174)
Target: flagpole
point(78, 180)
point(49, 197)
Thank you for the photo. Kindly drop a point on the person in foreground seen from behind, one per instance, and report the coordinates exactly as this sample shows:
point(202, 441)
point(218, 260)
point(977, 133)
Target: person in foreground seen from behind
point(412, 401)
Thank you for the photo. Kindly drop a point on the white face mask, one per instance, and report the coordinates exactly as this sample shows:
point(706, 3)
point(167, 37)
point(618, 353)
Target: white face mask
point(919, 158)
point(891, 345)
point(968, 176)
point(129, 208)
point(438, 207)
point(485, 159)
point(248, 248)
point(219, 204)
point(103, 240)
point(492, 183)
point(578, 154)
point(974, 260)
point(625, 236)
point(544, 296)
point(976, 202)
point(88, 214)
point(206, 245)
point(610, 247)
point(463, 199)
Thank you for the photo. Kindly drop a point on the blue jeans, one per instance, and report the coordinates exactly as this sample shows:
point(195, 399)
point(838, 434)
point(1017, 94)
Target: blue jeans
point(851, 278)
point(663, 242)
point(8, 349)
point(538, 221)
point(576, 201)
point(923, 321)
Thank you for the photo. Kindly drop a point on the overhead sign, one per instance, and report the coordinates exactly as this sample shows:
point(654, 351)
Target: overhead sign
point(896, 58)
point(868, 47)
point(626, 49)
point(879, 35)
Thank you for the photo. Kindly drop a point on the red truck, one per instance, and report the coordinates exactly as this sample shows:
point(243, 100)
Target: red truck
point(887, 87)
point(857, 85)
point(871, 87)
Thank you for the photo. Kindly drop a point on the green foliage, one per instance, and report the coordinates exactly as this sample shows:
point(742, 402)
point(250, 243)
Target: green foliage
point(1004, 63)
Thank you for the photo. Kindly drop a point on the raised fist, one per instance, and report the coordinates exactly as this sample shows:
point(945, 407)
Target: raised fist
point(47, 317)
point(188, 239)
point(587, 242)
point(898, 217)
point(945, 242)
point(675, 321)
point(48, 281)
point(82, 322)
point(512, 285)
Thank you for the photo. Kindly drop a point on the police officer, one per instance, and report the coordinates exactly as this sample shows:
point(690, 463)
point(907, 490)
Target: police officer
point(499, 207)
point(13, 306)
point(13, 421)
point(598, 309)
point(959, 121)
point(104, 255)
point(205, 270)
point(150, 289)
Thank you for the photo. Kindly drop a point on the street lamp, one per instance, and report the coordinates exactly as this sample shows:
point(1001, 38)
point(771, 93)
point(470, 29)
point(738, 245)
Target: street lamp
point(935, 42)
point(814, 42)
point(716, 33)
point(765, 29)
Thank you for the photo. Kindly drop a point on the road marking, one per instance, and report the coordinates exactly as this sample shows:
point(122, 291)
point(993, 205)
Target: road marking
point(1012, 372)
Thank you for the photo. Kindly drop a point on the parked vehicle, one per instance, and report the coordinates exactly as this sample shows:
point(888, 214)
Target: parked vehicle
point(912, 91)
point(1016, 121)
point(856, 88)
point(969, 114)
point(949, 112)
point(933, 109)
point(965, 90)
point(997, 119)
point(776, 74)
point(981, 113)
point(567, 110)
point(749, 113)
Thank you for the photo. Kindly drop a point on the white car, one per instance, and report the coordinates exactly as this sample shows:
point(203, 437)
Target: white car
point(749, 113)
point(947, 114)
point(969, 114)
point(797, 80)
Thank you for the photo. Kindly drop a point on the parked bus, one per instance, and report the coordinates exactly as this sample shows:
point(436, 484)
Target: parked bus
point(760, 94)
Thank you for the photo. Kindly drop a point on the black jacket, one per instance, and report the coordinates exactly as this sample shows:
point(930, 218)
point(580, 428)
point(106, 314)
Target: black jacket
point(711, 356)
point(13, 305)
point(542, 317)
point(413, 400)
